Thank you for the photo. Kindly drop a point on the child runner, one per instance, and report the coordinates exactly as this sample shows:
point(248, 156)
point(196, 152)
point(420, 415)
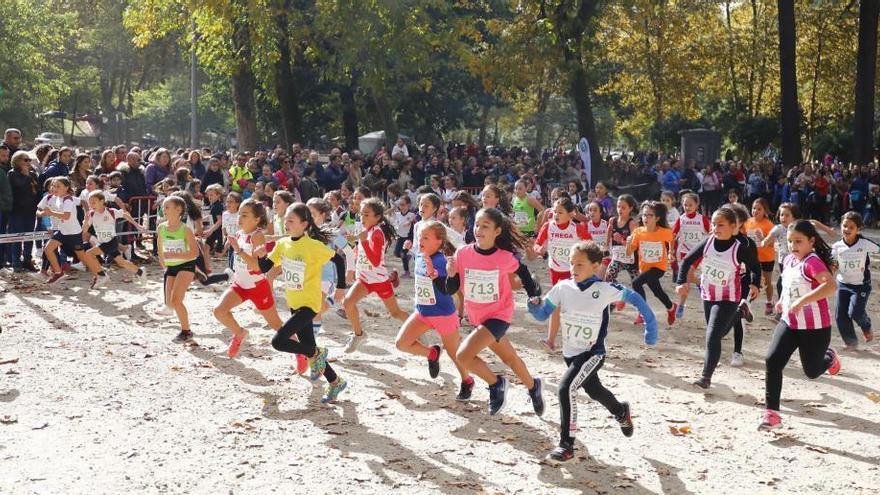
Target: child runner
point(100, 221)
point(806, 318)
point(525, 209)
point(668, 200)
point(458, 232)
point(493, 197)
point(434, 308)
point(301, 257)
point(483, 271)
point(690, 230)
point(403, 218)
point(619, 230)
point(653, 242)
point(757, 228)
point(722, 255)
point(584, 302)
point(178, 251)
point(372, 275)
point(852, 259)
point(333, 272)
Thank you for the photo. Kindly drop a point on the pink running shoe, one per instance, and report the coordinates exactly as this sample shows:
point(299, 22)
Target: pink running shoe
point(834, 367)
point(639, 320)
point(302, 364)
point(394, 277)
point(670, 314)
point(771, 420)
point(235, 344)
point(619, 305)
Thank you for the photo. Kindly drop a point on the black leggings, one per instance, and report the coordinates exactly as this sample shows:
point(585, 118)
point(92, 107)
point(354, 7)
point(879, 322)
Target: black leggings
point(738, 331)
point(720, 316)
point(339, 261)
point(813, 348)
point(582, 372)
point(300, 324)
point(652, 279)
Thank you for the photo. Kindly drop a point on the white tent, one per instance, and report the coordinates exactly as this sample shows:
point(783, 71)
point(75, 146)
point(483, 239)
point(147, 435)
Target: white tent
point(372, 141)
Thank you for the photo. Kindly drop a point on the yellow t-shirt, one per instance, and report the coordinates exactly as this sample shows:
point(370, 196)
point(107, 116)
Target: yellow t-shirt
point(652, 247)
point(301, 261)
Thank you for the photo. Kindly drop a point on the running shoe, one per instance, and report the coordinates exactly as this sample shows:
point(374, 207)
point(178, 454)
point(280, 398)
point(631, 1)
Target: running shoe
point(183, 337)
point(465, 390)
point(770, 421)
point(768, 309)
point(619, 305)
point(745, 311)
point(679, 313)
point(318, 363)
point(670, 314)
point(355, 341)
point(536, 397)
point(497, 395)
point(394, 277)
point(100, 281)
point(331, 391)
point(869, 335)
point(551, 348)
point(834, 367)
point(165, 310)
point(302, 364)
point(235, 344)
point(703, 382)
point(625, 420)
point(434, 364)
point(54, 277)
point(736, 360)
point(142, 278)
point(78, 267)
point(562, 453)
point(640, 320)
point(341, 313)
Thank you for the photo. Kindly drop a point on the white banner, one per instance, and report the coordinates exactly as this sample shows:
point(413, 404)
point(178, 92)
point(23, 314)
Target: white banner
point(584, 150)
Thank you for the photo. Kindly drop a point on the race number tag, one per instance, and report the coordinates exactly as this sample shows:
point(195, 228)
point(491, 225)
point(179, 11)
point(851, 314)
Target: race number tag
point(105, 236)
point(425, 291)
point(561, 250)
point(239, 265)
point(580, 329)
point(230, 225)
point(691, 237)
point(651, 252)
point(618, 253)
point(851, 262)
point(363, 262)
point(716, 272)
point(481, 286)
point(294, 272)
point(176, 246)
point(600, 239)
point(520, 218)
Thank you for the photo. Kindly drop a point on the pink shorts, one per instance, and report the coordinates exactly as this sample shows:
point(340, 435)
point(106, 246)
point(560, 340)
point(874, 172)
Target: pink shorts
point(445, 325)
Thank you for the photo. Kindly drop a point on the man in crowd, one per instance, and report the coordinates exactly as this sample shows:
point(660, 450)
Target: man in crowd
point(12, 140)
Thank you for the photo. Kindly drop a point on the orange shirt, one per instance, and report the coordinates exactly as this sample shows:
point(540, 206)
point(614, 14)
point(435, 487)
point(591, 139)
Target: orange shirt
point(752, 227)
point(653, 247)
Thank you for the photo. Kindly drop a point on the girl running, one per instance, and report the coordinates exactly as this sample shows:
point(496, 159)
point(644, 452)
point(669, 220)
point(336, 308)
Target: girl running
point(583, 302)
point(100, 222)
point(722, 256)
point(372, 275)
point(668, 200)
point(429, 205)
point(653, 242)
point(248, 282)
point(619, 230)
point(778, 237)
point(434, 308)
point(690, 230)
point(493, 197)
point(301, 257)
point(178, 250)
point(757, 228)
point(333, 272)
point(851, 258)
point(458, 232)
point(558, 236)
point(483, 271)
point(806, 318)
point(597, 227)
point(403, 218)
point(525, 209)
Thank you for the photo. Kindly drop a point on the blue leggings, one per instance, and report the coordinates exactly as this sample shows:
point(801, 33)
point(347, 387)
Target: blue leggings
point(851, 301)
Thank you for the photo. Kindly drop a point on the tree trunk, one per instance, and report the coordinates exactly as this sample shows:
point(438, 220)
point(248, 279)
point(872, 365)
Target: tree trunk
point(541, 119)
point(243, 84)
point(349, 116)
point(811, 121)
point(285, 84)
point(386, 115)
point(789, 112)
point(731, 64)
point(866, 72)
point(484, 123)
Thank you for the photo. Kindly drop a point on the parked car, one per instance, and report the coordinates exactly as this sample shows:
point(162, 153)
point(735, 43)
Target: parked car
point(53, 138)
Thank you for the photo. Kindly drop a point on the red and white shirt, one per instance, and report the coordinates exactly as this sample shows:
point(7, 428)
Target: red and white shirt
point(559, 239)
point(599, 233)
point(690, 229)
point(799, 278)
point(242, 275)
point(370, 260)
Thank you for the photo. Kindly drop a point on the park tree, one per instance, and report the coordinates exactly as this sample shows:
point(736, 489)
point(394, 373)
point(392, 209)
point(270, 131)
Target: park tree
point(866, 71)
point(789, 112)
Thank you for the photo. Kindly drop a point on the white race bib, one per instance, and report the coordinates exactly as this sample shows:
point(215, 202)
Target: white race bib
point(579, 329)
point(425, 291)
point(520, 218)
point(618, 253)
point(560, 250)
point(691, 237)
point(600, 239)
point(176, 246)
point(651, 252)
point(716, 272)
point(481, 286)
point(230, 226)
point(294, 273)
point(105, 236)
point(851, 262)
point(363, 262)
point(239, 265)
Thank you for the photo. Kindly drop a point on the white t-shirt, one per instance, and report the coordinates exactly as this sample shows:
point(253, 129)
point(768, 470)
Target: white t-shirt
point(403, 222)
point(104, 224)
point(109, 197)
point(66, 204)
point(853, 262)
point(583, 314)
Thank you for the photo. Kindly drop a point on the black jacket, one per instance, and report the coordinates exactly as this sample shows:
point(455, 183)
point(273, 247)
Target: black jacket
point(25, 192)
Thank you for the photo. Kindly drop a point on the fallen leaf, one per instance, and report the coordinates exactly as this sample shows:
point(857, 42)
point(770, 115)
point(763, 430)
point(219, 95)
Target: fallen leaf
point(679, 431)
point(8, 420)
point(391, 394)
point(872, 396)
point(40, 427)
point(818, 449)
point(9, 361)
point(510, 420)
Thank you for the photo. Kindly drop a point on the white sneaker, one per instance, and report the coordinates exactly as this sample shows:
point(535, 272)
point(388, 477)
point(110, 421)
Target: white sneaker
point(229, 272)
point(736, 360)
point(354, 342)
point(142, 278)
point(78, 266)
point(100, 281)
point(165, 310)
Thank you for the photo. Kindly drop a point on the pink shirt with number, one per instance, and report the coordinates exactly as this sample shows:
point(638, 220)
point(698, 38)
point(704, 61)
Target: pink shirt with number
point(799, 278)
point(485, 283)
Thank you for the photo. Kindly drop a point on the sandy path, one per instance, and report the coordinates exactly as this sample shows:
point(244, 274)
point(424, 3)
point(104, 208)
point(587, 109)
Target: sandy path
point(100, 401)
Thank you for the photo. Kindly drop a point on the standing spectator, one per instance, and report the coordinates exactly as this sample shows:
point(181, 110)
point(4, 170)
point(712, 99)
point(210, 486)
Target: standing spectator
point(333, 176)
point(5, 155)
point(159, 169)
point(5, 212)
point(308, 186)
point(400, 151)
point(120, 153)
point(81, 171)
point(107, 163)
point(60, 166)
point(195, 164)
point(756, 185)
point(239, 172)
point(25, 196)
point(213, 175)
point(12, 140)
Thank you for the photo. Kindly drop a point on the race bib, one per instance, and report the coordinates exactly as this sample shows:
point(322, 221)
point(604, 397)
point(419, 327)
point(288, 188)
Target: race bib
point(600, 239)
point(618, 253)
point(560, 251)
point(105, 236)
point(294, 273)
point(230, 226)
point(425, 291)
point(481, 286)
point(239, 265)
point(520, 218)
point(651, 252)
point(176, 246)
point(363, 262)
point(755, 235)
point(851, 262)
point(716, 272)
point(691, 238)
point(580, 329)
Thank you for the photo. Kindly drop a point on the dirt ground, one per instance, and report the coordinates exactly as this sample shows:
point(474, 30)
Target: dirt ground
point(94, 398)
